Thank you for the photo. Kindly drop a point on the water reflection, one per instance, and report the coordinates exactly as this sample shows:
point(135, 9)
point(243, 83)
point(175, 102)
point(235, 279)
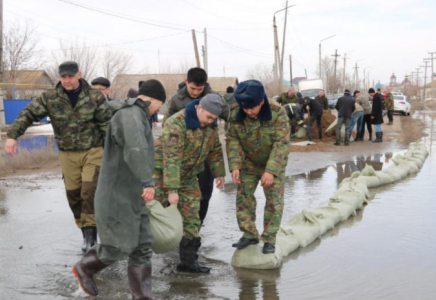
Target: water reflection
point(258, 284)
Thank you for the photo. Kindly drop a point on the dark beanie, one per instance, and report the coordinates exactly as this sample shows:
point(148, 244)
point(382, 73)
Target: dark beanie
point(347, 91)
point(299, 95)
point(371, 90)
point(132, 93)
point(356, 92)
point(154, 89)
point(249, 94)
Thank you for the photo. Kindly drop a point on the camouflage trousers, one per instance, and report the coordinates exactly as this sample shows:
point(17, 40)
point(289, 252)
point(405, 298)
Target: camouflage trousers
point(80, 171)
point(189, 203)
point(246, 206)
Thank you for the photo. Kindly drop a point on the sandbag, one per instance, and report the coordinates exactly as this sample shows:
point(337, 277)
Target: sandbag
point(305, 229)
point(252, 257)
point(301, 133)
point(384, 178)
point(166, 226)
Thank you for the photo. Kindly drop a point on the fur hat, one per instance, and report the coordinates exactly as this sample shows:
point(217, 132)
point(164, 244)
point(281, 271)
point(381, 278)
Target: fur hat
point(250, 93)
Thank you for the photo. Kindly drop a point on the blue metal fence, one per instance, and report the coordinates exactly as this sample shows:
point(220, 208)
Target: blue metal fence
point(13, 109)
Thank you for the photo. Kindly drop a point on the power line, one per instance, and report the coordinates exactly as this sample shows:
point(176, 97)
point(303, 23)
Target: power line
point(241, 49)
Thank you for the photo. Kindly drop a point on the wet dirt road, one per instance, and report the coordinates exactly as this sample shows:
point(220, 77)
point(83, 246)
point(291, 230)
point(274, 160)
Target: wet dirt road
point(386, 251)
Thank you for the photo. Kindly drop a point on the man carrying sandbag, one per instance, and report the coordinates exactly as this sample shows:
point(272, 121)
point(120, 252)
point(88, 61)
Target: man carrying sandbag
point(257, 149)
point(124, 183)
point(189, 138)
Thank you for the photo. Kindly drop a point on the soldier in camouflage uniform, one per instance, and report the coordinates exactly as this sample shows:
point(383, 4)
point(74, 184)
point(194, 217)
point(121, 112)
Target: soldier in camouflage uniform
point(257, 149)
point(189, 138)
point(293, 111)
point(389, 102)
point(287, 98)
point(79, 115)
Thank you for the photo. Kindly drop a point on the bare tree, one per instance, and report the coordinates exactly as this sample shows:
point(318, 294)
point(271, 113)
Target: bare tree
point(181, 68)
point(264, 73)
point(87, 57)
point(115, 62)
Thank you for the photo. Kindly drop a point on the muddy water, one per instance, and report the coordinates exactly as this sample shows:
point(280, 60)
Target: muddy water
point(387, 251)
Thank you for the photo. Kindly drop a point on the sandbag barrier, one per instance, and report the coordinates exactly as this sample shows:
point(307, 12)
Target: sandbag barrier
point(305, 227)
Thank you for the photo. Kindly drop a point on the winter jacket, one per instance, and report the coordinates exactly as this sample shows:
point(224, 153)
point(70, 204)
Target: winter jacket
point(377, 109)
point(323, 101)
point(365, 103)
point(345, 106)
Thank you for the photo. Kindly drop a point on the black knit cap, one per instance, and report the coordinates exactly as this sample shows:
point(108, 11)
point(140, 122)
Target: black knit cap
point(371, 90)
point(154, 89)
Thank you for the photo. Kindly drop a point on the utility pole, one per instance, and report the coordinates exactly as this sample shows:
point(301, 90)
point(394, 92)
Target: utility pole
point(203, 52)
point(432, 72)
point(206, 55)
point(305, 72)
point(276, 52)
point(356, 76)
point(197, 56)
point(1, 40)
point(334, 75)
point(345, 63)
point(283, 47)
point(417, 83)
point(290, 64)
point(425, 75)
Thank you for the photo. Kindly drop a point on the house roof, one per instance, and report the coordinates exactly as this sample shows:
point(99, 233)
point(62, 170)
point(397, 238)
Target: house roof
point(27, 78)
point(123, 82)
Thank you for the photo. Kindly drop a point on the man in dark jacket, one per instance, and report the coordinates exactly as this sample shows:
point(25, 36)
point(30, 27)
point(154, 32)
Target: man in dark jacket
point(322, 100)
point(125, 183)
point(196, 87)
point(377, 114)
point(345, 107)
point(79, 115)
point(315, 111)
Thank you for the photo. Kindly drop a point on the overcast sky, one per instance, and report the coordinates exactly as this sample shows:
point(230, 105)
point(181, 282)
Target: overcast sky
point(385, 37)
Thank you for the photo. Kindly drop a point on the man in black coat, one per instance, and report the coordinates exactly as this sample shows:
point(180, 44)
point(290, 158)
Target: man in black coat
point(377, 114)
point(345, 107)
point(315, 111)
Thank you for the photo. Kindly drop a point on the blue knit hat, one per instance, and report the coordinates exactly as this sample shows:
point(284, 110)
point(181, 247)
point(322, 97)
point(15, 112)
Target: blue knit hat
point(250, 93)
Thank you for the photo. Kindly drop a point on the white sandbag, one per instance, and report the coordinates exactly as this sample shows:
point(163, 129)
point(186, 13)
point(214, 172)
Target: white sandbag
point(345, 210)
point(303, 144)
point(287, 241)
point(354, 185)
point(394, 172)
point(304, 229)
point(301, 133)
point(384, 178)
point(369, 181)
point(252, 257)
point(353, 198)
point(166, 226)
point(325, 217)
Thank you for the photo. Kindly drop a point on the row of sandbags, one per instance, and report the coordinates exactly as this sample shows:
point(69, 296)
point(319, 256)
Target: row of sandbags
point(305, 227)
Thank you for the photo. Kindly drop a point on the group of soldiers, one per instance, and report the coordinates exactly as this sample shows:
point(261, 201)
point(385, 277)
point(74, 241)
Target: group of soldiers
point(112, 166)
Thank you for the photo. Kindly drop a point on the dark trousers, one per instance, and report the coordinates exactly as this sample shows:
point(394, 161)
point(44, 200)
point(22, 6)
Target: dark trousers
point(367, 121)
point(391, 115)
point(346, 121)
point(205, 181)
point(309, 126)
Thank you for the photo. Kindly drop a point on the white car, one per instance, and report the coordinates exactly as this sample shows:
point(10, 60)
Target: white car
point(402, 105)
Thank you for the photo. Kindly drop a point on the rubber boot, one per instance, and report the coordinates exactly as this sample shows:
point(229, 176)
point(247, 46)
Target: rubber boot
point(85, 269)
point(90, 236)
point(188, 250)
point(337, 143)
point(140, 282)
point(381, 136)
point(378, 137)
point(370, 136)
point(84, 241)
point(347, 140)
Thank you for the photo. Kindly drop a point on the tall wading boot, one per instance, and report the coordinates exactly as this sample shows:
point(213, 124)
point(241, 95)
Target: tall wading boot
point(188, 250)
point(90, 238)
point(140, 282)
point(381, 136)
point(85, 270)
point(378, 136)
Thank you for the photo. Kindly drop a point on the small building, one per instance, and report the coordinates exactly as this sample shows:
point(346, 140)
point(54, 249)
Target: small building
point(25, 84)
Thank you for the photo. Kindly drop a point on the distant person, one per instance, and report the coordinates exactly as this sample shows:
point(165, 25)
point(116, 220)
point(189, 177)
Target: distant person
point(287, 98)
point(389, 103)
point(301, 102)
point(79, 115)
point(357, 118)
point(195, 87)
point(124, 186)
point(366, 105)
point(377, 114)
point(345, 107)
point(293, 111)
point(315, 112)
point(104, 85)
point(322, 100)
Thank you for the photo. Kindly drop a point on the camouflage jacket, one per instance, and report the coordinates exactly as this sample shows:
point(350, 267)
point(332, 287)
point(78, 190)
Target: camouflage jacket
point(184, 147)
point(80, 128)
point(389, 102)
point(284, 99)
point(182, 98)
point(262, 143)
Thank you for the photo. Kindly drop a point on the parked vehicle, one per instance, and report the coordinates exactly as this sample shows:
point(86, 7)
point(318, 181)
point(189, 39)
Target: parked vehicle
point(402, 105)
point(310, 87)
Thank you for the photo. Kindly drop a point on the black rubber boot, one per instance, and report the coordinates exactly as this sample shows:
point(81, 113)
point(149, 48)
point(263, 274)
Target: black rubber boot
point(140, 282)
point(188, 250)
point(378, 137)
point(268, 248)
point(85, 269)
point(381, 136)
point(347, 140)
point(84, 241)
point(90, 236)
point(337, 143)
point(244, 242)
point(370, 136)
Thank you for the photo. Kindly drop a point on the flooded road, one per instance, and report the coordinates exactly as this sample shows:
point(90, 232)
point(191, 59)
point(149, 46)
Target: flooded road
point(386, 251)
